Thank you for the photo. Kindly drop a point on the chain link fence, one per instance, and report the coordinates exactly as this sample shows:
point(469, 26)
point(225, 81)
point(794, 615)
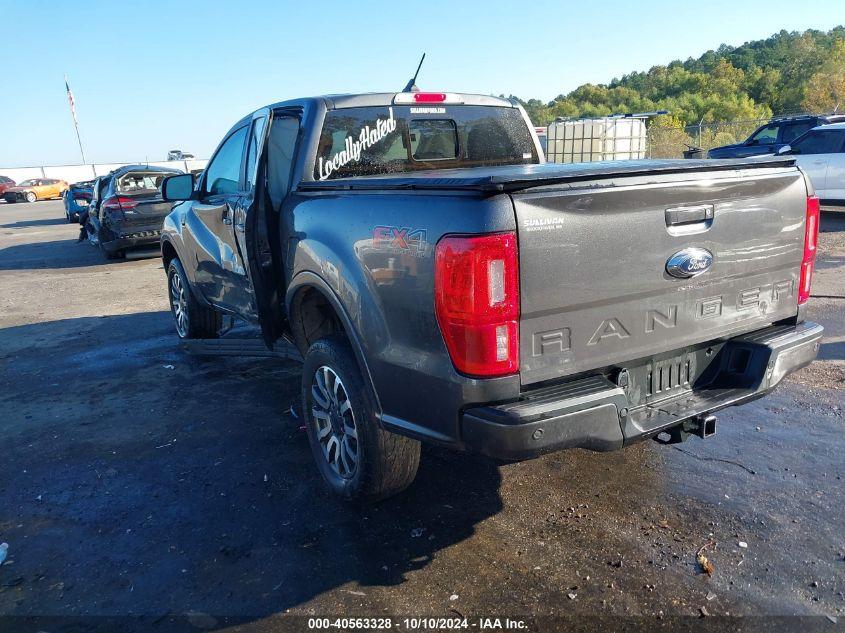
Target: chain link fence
point(673, 142)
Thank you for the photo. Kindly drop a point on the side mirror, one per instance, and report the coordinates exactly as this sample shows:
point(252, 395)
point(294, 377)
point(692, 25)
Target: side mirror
point(177, 188)
point(786, 149)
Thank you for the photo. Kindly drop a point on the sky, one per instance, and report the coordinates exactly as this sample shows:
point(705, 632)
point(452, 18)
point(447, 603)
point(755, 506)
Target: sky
point(153, 75)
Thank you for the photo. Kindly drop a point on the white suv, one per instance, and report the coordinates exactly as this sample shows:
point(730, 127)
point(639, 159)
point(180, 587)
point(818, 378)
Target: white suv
point(821, 154)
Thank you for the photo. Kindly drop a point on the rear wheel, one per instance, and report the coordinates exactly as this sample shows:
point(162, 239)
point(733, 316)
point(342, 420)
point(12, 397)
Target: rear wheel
point(191, 319)
point(355, 456)
point(31, 197)
point(110, 254)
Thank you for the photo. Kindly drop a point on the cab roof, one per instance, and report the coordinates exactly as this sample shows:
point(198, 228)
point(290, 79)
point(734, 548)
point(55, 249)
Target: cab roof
point(375, 99)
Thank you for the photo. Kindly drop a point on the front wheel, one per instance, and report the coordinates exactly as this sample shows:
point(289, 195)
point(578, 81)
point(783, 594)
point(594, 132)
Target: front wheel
point(355, 456)
point(31, 197)
point(192, 320)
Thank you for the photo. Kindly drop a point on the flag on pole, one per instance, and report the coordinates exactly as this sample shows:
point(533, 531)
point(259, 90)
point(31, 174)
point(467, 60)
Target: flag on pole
point(71, 102)
point(73, 114)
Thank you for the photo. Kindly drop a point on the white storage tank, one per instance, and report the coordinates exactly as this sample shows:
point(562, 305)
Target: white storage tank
point(586, 140)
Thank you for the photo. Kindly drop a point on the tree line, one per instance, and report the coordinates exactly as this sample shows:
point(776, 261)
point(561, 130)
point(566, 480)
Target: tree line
point(786, 73)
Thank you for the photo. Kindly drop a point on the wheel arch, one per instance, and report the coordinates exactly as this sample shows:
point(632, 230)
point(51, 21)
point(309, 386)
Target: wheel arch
point(309, 289)
point(168, 253)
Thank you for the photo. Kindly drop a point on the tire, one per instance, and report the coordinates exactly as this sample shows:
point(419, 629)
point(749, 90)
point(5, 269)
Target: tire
point(31, 197)
point(191, 319)
point(357, 459)
point(112, 255)
point(70, 219)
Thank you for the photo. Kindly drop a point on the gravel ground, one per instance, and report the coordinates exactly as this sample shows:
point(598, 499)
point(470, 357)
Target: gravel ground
point(136, 480)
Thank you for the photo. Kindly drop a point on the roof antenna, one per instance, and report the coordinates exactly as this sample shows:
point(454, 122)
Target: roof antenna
point(411, 86)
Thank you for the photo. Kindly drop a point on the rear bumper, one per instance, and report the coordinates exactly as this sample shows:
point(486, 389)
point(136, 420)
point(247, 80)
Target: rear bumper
point(137, 239)
point(596, 414)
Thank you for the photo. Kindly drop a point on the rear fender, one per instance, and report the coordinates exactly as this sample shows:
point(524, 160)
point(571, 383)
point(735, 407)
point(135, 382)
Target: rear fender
point(306, 279)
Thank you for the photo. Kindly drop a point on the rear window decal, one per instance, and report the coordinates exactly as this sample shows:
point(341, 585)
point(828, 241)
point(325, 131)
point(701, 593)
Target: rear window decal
point(353, 148)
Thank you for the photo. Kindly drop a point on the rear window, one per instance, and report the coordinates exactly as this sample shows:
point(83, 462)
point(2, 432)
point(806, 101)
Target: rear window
point(140, 182)
point(387, 140)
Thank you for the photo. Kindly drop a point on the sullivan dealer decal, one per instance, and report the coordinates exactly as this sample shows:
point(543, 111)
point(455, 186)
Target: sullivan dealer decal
point(353, 148)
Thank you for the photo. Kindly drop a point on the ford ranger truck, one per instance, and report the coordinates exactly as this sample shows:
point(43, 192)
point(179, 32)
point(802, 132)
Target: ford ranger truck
point(442, 284)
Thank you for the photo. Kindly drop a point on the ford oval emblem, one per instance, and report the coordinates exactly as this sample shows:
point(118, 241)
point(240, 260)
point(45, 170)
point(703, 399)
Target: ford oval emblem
point(689, 262)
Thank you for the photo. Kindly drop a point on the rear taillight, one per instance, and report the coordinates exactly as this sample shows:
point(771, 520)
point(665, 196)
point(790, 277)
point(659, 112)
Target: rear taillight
point(476, 285)
point(118, 204)
point(811, 239)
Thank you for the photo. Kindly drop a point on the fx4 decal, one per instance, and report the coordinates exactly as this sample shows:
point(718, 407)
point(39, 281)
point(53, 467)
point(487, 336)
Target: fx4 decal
point(400, 239)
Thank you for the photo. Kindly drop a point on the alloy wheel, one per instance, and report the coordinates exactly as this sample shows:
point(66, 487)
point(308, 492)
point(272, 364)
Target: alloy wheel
point(179, 304)
point(334, 422)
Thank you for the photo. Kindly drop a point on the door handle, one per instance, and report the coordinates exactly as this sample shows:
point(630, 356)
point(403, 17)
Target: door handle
point(688, 215)
point(227, 221)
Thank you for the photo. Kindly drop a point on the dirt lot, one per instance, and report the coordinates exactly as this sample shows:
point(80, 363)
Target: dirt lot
point(136, 480)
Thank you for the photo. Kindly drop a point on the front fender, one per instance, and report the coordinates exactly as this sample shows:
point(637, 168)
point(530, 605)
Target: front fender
point(171, 235)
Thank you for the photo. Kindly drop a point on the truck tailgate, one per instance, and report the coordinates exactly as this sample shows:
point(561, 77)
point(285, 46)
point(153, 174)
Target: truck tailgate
point(594, 286)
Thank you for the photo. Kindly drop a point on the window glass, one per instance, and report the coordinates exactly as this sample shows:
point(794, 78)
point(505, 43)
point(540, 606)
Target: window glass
point(223, 172)
point(820, 142)
point(433, 139)
point(791, 132)
point(281, 146)
point(385, 140)
point(766, 136)
point(253, 150)
point(138, 182)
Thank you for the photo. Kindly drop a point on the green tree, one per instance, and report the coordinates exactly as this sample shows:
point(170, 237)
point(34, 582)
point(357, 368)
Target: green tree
point(825, 90)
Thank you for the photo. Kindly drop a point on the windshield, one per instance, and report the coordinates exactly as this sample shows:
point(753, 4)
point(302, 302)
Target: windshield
point(28, 183)
point(765, 136)
point(387, 140)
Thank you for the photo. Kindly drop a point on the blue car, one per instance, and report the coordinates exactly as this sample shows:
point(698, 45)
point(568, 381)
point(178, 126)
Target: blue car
point(77, 198)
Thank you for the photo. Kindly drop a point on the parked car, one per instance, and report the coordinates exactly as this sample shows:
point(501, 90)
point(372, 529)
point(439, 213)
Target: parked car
point(442, 284)
point(77, 199)
point(178, 154)
point(36, 189)
point(821, 154)
point(126, 209)
point(769, 138)
point(5, 183)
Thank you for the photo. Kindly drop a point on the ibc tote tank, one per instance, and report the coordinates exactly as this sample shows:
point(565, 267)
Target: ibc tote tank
point(585, 140)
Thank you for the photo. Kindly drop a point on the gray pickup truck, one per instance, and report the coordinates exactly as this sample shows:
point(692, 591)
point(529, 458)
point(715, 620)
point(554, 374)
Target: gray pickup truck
point(443, 284)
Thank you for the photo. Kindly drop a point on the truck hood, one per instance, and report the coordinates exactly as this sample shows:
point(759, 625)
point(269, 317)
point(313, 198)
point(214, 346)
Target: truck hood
point(494, 180)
